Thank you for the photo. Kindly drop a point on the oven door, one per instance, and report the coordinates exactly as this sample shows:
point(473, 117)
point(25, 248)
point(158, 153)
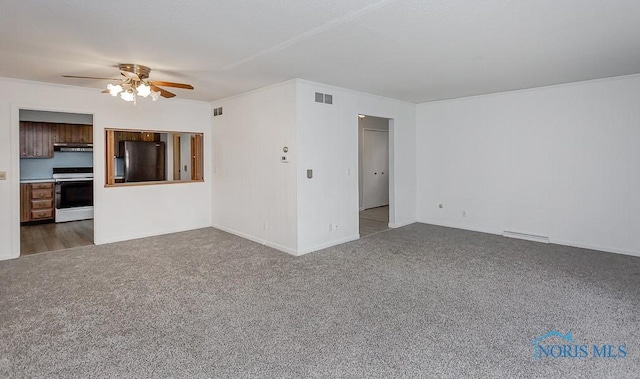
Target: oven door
point(72, 194)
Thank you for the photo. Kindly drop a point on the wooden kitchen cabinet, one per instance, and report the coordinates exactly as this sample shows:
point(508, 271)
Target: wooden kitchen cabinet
point(25, 198)
point(123, 135)
point(148, 136)
point(72, 133)
point(36, 202)
point(36, 140)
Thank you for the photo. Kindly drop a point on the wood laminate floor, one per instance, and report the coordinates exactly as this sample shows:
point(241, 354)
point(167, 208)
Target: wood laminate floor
point(374, 220)
point(51, 237)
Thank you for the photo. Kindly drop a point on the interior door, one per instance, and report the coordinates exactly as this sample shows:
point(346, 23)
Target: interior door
point(375, 168)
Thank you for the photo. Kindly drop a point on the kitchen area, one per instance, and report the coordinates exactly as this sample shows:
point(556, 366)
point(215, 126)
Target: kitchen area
point(56, 181)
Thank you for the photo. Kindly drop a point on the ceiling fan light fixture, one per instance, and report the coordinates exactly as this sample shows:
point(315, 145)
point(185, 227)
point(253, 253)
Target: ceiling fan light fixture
point(135, 82)
point(143, 90)
point(114, 90)
point(128, 95)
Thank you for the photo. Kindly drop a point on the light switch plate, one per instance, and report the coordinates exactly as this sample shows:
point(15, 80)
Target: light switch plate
point(3, 175)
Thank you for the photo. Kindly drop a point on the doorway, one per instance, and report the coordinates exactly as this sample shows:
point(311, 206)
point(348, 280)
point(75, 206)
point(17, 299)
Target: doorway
point(373, 135)
point(56, 180)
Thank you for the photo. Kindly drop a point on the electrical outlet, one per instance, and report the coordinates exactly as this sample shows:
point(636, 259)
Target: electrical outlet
point(3, 175)
point(331, 227)
point(464, 213)
point(265, 226)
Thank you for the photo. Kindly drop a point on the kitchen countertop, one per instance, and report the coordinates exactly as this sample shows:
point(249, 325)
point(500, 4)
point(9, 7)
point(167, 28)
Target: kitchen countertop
point(49, 180)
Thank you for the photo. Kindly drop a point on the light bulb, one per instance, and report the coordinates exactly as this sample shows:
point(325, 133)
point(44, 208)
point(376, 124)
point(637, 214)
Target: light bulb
point(155, 95)
point(143, 90)
point(127, 95)
point(114, 90)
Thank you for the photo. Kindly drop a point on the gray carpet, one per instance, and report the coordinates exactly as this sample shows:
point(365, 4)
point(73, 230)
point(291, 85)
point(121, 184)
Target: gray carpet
point(419, 301)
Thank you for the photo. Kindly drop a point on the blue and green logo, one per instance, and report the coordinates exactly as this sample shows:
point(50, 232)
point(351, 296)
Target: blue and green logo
point(569, 348)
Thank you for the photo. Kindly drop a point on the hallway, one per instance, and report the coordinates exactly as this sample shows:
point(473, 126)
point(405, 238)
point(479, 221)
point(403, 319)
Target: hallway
point(374, 220)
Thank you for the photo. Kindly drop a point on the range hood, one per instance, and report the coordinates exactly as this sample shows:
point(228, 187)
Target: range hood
point(73, 147)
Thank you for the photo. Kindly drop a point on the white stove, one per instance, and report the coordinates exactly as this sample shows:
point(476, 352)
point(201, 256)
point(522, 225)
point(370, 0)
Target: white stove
point(73, 193)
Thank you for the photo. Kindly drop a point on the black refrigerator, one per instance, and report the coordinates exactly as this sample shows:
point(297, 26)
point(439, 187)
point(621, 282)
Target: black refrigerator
point(144, 161)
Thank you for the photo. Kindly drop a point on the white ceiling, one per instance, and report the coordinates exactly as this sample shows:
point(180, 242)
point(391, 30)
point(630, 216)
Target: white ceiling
point(414, 50)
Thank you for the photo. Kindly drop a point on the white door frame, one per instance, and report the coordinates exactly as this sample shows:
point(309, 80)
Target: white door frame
point(392, 170)
point(15, 167)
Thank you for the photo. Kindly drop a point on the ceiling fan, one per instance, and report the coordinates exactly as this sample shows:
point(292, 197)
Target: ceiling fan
point(135, 82)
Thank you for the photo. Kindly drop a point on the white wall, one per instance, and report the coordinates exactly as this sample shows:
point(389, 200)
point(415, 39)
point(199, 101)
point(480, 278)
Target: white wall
point(328, 144)
point(251, 187)
point(561, 162)
point(120, 213)
point(369, 122)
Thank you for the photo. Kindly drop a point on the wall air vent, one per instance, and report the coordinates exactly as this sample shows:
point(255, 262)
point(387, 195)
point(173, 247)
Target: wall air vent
point(324, 98)
point(525, 236)
point(217, 112)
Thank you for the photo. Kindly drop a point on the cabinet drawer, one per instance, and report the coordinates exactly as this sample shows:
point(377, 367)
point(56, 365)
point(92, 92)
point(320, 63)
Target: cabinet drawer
point(35, 186)
point(41, 194)
point(41, 204)
point(41, 214)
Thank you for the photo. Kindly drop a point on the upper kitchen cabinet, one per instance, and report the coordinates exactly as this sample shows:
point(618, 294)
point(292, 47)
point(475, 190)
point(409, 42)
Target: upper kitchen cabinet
point(72, 133)
point(126, 135)
point(36, 140)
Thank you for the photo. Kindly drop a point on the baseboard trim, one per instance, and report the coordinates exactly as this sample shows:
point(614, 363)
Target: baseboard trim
point(100, 241)
point(596, 247)
point(469, 228)
point(525, 236)
point(6, 257)
point(257, 240)
point(329, 244)
point(551, 240)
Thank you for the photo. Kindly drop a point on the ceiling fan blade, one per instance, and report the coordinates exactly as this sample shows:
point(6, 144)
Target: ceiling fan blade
point(87, 77)
point(163, 93)
point(171, 84)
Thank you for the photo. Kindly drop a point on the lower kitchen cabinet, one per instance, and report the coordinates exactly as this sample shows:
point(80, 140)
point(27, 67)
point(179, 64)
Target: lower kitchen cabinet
point(36, 202)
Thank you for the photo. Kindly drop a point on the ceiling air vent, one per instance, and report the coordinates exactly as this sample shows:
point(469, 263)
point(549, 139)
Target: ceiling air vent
point(319, 97)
